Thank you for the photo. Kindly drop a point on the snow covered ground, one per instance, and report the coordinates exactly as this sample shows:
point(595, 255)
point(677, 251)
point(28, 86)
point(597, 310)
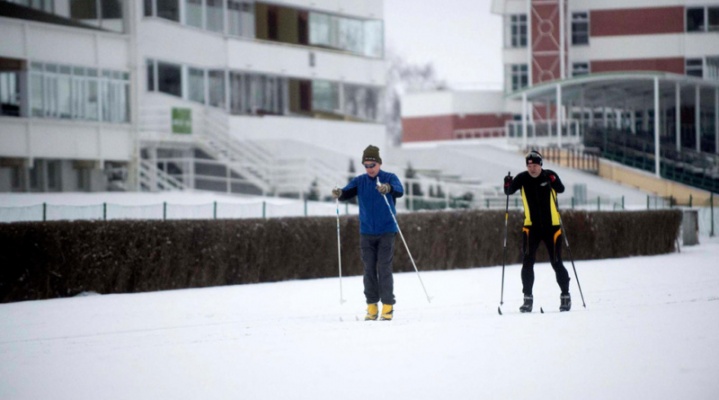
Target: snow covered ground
point(649, 331)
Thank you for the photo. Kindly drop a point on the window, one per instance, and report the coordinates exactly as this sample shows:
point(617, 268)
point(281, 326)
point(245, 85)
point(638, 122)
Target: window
point(702, 19)
point(518, 30)
point(520, 78)
point(693, 67)
point(257, 94)
point(580, 28)
point(325, 96)
point(216, 84)
point(712, 68)
point(9, 93)
point(362, 37)
point(196, 85)
point(169, 79)
point(214, 16)
point(240, 18)
point(193, 13)
point(362, 102)
point(74, 92)
point(53, 175)
point(168, 9)
point(580, 68)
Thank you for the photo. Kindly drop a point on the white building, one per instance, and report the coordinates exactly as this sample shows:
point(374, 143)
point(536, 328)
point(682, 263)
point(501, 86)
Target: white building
point(595, 74)
point(237, 96)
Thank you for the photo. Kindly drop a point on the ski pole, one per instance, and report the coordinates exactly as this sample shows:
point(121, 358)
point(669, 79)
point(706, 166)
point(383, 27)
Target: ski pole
point(339, 249)
point(504, 252)
point(429, 299)
point(566, 241)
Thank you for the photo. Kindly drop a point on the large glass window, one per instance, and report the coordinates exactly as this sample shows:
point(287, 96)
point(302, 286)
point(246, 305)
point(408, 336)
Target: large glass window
point(73, 92)
point(518, 30)
point(702, 19)
point(364, 37)
point(580, 28)
point(257, 94)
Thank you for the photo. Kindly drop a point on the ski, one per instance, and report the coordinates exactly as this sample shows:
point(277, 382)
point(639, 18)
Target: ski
point(499, 310)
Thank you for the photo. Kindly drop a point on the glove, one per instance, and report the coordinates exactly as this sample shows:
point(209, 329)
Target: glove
point(551, 177)
point(507, 181)
point(336, 193)
point(384, 188)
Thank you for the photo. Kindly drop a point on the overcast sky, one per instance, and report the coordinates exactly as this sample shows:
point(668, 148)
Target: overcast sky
point(462, 38)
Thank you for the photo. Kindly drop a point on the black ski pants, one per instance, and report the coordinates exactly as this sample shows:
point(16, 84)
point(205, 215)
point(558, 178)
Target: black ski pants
point(377, 252)
point(552, 238)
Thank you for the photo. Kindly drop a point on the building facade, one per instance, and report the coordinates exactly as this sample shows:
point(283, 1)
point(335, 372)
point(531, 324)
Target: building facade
point(185, 94)
point(588, 73)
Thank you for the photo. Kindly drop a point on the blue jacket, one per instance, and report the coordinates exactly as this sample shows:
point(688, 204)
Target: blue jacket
point(374, 216)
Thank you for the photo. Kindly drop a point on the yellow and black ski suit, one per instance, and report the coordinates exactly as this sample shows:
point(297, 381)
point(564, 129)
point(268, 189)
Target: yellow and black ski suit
point(541, 224)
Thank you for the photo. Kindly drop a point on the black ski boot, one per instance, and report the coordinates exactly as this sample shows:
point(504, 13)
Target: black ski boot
point(565, 302)
point(528, 303)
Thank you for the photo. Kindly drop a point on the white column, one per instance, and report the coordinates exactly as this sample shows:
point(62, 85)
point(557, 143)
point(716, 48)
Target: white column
point(697, 118)
point(656, 127)
point(524, 120)
point(559, 115)
point(678, 116)
point(562, 44)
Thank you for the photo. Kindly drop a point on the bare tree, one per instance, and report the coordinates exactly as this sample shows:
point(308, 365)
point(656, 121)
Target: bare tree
point(404, 77)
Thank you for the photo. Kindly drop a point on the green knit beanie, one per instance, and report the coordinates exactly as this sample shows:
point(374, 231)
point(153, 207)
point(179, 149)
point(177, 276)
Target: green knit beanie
point(371, 153)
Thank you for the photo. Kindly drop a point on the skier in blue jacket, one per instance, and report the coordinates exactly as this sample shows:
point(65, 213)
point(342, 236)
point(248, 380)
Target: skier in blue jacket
point(377, 230)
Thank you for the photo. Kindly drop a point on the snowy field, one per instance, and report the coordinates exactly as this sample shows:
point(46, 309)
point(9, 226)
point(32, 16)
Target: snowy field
point(649, 331)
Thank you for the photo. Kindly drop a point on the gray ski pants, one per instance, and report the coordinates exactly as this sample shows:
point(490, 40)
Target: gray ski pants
point(377, 252)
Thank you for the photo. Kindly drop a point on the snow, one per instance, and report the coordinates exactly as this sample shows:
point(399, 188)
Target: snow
point(648, 331)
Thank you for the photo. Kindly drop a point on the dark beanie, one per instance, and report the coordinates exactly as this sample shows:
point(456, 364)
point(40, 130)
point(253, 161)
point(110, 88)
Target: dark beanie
point(534, 156)
point(371, 153)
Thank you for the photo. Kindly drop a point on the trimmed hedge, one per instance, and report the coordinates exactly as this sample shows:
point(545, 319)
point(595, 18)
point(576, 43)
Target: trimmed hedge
point(40, 260)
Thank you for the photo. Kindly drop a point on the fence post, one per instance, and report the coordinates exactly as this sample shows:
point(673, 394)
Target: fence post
point(622, 202)
point(214, 209)
point(44, 211)
point(305, 207)
point(164, 210)
point(264, 209)
point(690, 200)
point(711, 212)
point(599, 204)
point(104, 211)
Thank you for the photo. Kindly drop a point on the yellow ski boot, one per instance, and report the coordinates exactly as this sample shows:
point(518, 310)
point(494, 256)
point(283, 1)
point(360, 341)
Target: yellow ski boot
point(387, 312)
point(372, 312)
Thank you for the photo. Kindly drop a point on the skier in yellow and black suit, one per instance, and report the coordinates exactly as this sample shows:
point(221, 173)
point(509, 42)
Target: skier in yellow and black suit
point(541, 224)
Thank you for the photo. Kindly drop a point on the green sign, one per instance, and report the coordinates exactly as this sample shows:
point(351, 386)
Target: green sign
point(182, 121)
